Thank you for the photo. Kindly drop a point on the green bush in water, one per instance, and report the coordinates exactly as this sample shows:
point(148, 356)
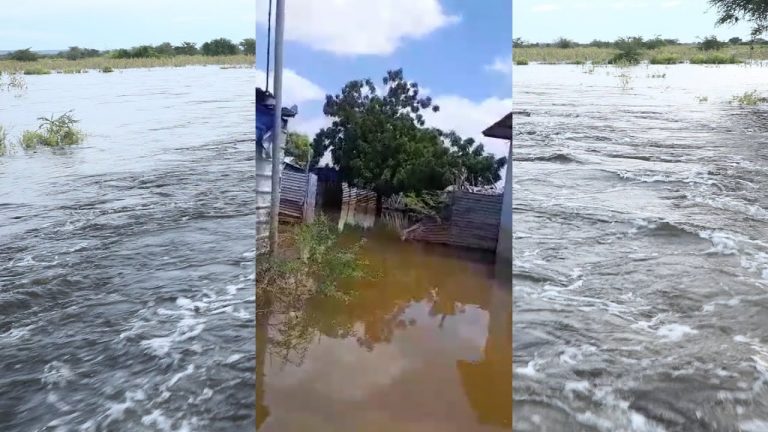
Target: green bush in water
point(714, 58)
point(750, 98)
point(107, 69)
point(664, 58)
point(522, 61)
point(53, 132)
point(3, 141)
point(36, 70)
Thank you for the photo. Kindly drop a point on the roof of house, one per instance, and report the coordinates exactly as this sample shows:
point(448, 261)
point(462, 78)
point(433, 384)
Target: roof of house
point(502, 129)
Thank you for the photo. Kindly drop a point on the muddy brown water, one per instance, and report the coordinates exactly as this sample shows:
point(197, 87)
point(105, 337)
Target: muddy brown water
point(425, 345)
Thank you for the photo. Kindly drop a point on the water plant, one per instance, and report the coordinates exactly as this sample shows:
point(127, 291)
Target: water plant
point(53, 132)
point(36, 70)
point(750, 98)
point(107, 69)
point(522, 61)
point(664, 58)
point(312, 261)
point(714, 58)
point(3, 141)
point(702, 99)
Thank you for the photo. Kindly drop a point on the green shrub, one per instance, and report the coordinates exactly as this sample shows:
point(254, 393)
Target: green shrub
point(750, 98)
point(107, 69)
point(36, 70)
point(664, 58)
point(629, 50)
point(53, 132)
point(3, 141)
point(522, 61)
point(710, 43)
point(714, 58)
point(24, 55)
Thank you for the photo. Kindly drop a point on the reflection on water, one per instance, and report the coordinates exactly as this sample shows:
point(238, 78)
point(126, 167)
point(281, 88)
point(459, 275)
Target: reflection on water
point(425, 345)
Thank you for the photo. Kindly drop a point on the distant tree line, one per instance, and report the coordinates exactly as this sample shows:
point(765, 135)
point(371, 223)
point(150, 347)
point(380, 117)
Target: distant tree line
point(706, 44)
point(215, 47)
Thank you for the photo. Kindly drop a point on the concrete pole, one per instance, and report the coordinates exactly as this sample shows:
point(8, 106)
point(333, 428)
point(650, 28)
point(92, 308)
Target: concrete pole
point(277, 134)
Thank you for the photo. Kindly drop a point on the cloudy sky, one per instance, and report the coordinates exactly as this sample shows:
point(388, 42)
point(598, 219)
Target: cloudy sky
point(107, 24)
point(585, 20)
point(457, 50)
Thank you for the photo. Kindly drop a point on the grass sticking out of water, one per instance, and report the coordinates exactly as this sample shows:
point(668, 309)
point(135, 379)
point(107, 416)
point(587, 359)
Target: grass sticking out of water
point(702, 99)
point(714, 58)
point(522, 61)
point(665, 58)
point(36, 70)
point(554, 55)
point(3, 141)
point(311, 261)
point(53, 132)
point(98, 63)
point(107, 69)
point(750, 98)
point(73, 71)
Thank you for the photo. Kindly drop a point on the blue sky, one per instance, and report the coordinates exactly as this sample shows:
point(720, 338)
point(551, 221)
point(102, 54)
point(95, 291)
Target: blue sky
point(585, 20)
point(449, 47)
point(107, 24)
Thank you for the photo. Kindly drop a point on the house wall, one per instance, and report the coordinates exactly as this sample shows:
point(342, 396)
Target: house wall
point(504, 246)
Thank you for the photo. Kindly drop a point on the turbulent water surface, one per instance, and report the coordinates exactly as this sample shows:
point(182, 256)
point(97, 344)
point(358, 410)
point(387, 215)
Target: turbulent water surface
point(126, 275)
point(641, 250)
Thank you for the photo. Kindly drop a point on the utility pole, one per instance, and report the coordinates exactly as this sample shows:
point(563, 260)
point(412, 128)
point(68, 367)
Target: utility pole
point(277, 134)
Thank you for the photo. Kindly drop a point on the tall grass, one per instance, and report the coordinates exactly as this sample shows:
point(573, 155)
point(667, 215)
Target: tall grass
point(714, 58)
point(98, 63)
point(600, 55)
point(3, 141)
point(36, 70)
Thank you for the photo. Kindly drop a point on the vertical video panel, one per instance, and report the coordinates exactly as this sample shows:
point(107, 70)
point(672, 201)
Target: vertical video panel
point(383, 267)
point(126, 216)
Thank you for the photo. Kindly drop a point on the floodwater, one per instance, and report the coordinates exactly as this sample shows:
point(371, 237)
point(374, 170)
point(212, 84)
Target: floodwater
point(126, 263)
point(640, 250)
point(424, 345)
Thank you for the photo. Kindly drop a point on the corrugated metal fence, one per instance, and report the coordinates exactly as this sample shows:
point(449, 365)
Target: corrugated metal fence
point(471, 221)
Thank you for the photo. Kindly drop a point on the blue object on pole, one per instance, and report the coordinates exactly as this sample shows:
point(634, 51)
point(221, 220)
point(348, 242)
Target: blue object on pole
point(265, 115)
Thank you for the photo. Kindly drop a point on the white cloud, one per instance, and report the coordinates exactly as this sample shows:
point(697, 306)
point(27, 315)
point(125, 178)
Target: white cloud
point(296, 89)
point(469, 118)
point(670, 4)
point(502, 65)
point(356, 27)
point(547, 7)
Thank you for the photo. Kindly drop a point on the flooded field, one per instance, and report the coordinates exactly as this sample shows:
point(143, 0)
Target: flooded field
point(641, 250)
point(424, 345)
point(126, 263)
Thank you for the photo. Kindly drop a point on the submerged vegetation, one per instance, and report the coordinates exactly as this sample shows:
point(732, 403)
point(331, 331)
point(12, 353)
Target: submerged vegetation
point(635, 49)
point(312, 261)
point(750, 98)
point(219, 51)
point(53, 132)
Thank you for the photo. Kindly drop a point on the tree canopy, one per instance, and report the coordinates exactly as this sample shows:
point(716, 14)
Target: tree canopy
point(299, 147)
point(735, 11)
point(248, 45)
point(219, 47)
point(380, 141)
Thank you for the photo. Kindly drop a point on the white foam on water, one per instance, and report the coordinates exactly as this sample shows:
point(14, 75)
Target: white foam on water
point(674, 332)
point(180, 375)
point(754, 425)
point(576, 387)
point(529, 369)
point(233, 358)
point(56, 373)
point(158, 420)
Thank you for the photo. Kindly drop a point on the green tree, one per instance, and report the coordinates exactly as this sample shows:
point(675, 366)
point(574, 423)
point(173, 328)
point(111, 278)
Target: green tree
point(25, 55)
point(186, 48)
point(299, 147)
point(379, 141)
point(710, 43)
point(735, 40)
point(248, 45)
point(165, 49)
point(734, 11)
point(629, 48)
point(562, 42)
point(219, 47)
